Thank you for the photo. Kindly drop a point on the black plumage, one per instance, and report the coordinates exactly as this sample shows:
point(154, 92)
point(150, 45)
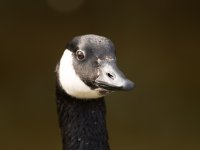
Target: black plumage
point(82, 122)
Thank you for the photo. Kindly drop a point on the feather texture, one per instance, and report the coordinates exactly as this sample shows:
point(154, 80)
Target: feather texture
point(82, 123)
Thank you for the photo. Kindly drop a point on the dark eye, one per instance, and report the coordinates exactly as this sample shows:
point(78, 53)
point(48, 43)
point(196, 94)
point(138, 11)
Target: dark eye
point(80, 55)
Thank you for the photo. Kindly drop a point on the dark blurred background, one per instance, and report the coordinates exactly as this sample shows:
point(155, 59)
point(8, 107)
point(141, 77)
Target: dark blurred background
point(158, 47)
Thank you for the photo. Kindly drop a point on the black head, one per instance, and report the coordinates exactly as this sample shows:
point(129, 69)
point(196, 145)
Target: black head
point(88, 68)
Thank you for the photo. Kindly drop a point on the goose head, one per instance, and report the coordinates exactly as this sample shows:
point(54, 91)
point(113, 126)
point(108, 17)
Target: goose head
point(88, 69)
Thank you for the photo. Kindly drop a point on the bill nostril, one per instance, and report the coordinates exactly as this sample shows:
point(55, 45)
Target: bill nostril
point(110, 76)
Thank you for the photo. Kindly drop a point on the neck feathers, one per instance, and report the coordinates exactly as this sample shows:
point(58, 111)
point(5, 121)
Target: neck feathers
point(82, 123)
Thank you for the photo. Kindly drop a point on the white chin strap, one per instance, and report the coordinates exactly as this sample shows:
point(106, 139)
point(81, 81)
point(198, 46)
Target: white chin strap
point(71, 82)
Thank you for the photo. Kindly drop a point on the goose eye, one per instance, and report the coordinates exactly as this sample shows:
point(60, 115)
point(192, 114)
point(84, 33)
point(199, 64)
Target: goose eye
point(80, 55)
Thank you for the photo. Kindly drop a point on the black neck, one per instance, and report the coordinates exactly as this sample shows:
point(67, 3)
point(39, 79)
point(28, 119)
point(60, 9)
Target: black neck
point(82, 122)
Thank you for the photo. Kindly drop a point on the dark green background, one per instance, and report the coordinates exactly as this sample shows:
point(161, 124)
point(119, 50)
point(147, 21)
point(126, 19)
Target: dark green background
point(158, 47)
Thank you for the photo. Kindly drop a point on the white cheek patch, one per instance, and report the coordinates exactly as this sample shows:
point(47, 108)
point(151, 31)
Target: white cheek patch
point(71, 82)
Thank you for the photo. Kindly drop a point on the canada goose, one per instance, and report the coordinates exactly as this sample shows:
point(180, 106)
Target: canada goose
point(86, 72)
